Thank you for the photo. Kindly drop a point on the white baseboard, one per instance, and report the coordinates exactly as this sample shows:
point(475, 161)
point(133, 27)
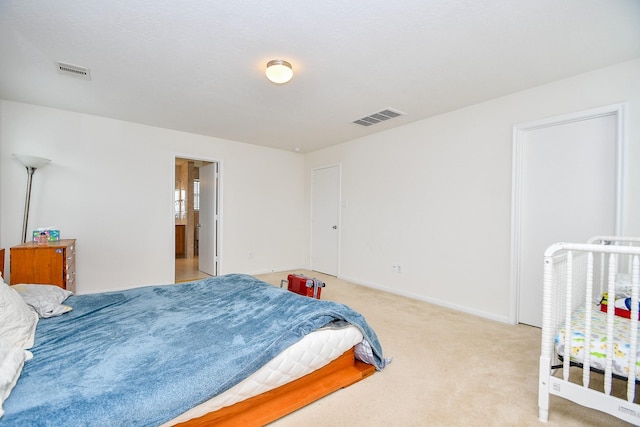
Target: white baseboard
point(463, 309)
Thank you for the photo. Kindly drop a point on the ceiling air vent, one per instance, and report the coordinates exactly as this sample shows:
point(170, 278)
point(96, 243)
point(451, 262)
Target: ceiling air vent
point(73, 70)
point(378, 117)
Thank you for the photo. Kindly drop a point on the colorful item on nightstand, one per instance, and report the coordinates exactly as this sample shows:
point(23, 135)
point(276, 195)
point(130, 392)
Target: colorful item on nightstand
point(52, 234)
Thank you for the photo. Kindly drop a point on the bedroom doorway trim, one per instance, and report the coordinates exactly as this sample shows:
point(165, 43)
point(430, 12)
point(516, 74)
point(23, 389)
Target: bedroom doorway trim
point(216, 209)
point(519, 135)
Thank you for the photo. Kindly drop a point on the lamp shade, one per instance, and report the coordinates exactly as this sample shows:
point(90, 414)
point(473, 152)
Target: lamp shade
point(279, 71)
point(31, 161)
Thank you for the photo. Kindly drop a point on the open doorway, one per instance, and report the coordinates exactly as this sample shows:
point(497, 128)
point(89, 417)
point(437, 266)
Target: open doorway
point(195, 218)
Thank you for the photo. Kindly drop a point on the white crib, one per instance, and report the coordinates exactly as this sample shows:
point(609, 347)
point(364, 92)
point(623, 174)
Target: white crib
point(575, 277)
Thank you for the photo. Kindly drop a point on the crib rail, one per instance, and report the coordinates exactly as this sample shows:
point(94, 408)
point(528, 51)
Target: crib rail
point(617, 241)
point(576, 275)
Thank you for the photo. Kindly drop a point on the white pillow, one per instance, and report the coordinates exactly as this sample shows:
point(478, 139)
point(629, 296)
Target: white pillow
point(12, 360)
point(17, 321)
point(46, 300)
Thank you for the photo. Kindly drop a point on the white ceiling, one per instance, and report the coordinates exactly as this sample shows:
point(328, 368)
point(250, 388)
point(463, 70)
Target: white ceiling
point(198, 66)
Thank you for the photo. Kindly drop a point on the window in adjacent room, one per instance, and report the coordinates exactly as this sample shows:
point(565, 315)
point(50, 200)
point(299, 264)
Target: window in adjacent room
point(196, 195)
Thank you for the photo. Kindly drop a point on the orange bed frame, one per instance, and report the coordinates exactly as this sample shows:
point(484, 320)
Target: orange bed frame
point(269, 406)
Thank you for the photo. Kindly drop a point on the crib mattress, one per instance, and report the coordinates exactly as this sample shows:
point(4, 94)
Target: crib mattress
point(621, 346)
point(312, 352)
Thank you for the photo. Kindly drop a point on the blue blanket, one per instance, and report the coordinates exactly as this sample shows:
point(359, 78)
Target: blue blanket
point(143, 356)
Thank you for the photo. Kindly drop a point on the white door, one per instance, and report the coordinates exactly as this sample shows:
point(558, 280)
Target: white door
point(568, 194)
point(208, 251)
point(325, 215)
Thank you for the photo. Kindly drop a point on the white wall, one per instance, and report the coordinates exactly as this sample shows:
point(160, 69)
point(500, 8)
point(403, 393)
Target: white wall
point(435, 195)
point(110, 185)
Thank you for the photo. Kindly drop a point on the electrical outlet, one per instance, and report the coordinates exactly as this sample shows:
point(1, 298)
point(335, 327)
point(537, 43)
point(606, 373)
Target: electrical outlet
point(250, 255)
point(396, 268)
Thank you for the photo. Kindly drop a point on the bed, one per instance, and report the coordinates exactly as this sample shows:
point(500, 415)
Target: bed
point(590, 349)
point(200, 353)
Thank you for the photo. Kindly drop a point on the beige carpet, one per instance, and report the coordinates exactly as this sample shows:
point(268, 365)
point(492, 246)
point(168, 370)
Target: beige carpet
point(449, 369)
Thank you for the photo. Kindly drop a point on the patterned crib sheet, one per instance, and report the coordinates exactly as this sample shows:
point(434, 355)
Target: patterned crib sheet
point(621, 345)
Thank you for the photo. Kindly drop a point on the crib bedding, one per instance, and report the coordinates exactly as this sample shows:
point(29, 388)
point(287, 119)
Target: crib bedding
point(622, 327)
point(144, 356)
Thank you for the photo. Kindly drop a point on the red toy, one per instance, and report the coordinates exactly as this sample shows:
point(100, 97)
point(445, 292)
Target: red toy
point(303, 285)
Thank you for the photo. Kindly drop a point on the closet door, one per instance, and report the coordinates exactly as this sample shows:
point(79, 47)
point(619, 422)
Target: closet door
point(325, 217)
point(568, 194)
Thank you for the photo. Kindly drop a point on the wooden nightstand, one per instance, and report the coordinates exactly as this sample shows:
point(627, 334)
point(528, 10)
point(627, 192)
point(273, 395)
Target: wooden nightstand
point(2, 262)
point(52, 263)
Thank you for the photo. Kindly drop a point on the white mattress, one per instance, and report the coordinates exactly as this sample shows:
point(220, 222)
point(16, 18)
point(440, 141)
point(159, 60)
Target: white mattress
point(312, 352)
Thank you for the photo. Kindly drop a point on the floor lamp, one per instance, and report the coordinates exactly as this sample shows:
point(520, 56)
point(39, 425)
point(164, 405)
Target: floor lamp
point(31, 163)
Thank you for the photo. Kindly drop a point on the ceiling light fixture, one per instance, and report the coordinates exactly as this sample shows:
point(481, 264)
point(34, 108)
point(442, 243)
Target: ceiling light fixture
point(279, 71)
